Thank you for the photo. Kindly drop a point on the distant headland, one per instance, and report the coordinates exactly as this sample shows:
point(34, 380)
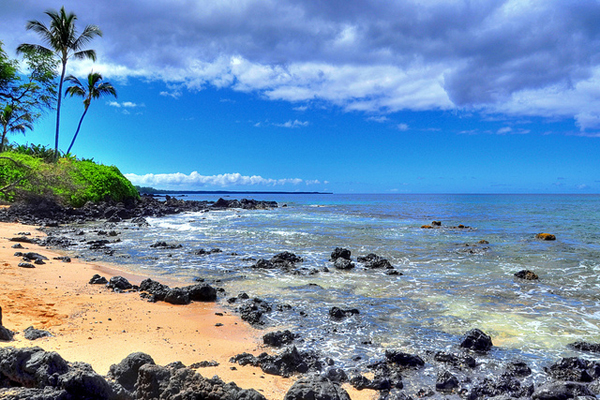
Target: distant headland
point(154, 191)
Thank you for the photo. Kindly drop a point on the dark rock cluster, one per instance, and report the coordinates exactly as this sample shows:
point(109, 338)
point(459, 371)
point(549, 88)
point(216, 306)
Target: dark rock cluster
point(47, 212)
point(32, 373)
point(286, 363)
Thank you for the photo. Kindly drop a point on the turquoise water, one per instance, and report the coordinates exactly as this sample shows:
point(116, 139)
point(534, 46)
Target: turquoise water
point(446, 288)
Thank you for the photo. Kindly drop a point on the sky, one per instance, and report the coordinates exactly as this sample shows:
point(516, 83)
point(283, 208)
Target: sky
point(344, 96)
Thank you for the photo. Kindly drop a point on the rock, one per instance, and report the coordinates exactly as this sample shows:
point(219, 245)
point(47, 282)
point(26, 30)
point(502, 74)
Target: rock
point(25, 265)
point(561, 391)
point(177, 296)
point(574, 369)
point(286, 363)
point(338, 314)
point(253, 310)
point(505, 386)
point(279, 338)
point(404, 359)
point(17, 246)
point(436, 223)
point(340, 253)
point(34, 256)
point(476, 340)
point(446, 382)
point(545, 236)
point(316, 388)
point(118, 282)
point(527, 275)
point(202, 292)
point(518, 368)
point(177, 382)
point(63, 259)
point(31, 333)
point(126, 372)
point(336, 375)
point(455, 360)
point(22, 239)
point(373, 261)
point(426, 227)
point(583, 346)
point(343, 263)
point(98, 280)
point(6, 335)
point(165, 245)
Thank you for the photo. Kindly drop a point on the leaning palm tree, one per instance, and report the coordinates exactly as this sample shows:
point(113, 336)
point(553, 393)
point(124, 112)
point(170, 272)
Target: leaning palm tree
point(94, 89)
point(64, 43)
point(13, 120)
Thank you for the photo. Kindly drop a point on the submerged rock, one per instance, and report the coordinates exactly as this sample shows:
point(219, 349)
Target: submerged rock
point(337, 313)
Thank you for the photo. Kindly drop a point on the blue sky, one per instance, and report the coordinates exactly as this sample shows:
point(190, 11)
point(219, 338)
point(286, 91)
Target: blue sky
point(343, 96)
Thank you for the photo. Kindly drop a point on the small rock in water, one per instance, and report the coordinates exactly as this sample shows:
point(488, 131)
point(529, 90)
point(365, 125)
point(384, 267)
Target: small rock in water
point(527, 275)
point(476, 340)
point(446, 382)
point(545, 236)
point(340, 252)
point(337, 313)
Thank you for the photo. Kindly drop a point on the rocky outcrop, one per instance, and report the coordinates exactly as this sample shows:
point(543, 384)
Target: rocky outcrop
point(31, 333)
point(285, 261)
point(373, 261)
point(156, 291)
point(286, 363)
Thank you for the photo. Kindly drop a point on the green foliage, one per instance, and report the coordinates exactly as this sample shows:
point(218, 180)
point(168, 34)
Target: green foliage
point(100, 182)
point(71, 181)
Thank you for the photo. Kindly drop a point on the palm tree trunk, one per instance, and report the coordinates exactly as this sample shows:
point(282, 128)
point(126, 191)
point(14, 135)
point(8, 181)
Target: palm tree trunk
point(77, 131)
point(2, 141)
point(60, 86)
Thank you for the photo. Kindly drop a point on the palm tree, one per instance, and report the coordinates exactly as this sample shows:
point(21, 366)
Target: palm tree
point(64, 42)
point(13, 120)
point(94, 89)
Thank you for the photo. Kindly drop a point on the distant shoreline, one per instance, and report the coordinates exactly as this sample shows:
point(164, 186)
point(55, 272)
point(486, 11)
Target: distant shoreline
point(179, 192)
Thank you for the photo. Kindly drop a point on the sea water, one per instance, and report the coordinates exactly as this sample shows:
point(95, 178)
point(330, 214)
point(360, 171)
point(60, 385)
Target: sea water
point(450, 282)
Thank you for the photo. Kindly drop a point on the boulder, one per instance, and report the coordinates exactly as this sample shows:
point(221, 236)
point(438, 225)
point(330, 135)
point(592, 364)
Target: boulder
point(476, 340)
point(340, 252)
point(31, 333)
point(279, 338)
point(343, 263)
point(446, 382)
point(526, 275)
point(316, 388)
point(126, 372)
point(6, 335)
point(98, 280)
point(337, 313)
point(174, 381)
point(562, 391)
point(404, 359)
point(118, 282)
point(545, 236)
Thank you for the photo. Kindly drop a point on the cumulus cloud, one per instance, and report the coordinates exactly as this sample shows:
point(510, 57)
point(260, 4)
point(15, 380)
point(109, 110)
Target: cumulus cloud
point(292, 124)
point(509, 56)
point(195, 180)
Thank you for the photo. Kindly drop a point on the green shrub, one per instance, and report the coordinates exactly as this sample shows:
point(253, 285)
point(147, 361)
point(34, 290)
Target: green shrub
point(71, 181)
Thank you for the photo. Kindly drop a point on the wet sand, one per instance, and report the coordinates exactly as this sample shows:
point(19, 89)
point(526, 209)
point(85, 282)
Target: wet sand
point(92, 324)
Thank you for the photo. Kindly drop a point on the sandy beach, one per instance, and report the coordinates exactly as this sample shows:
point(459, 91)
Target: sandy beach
point(90, 323)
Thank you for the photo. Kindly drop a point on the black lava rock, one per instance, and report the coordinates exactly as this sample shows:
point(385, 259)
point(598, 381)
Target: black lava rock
point(126, 372)
point(340, 253)
point(98, 280)
point(316, 388)
point(118, 282)
point(476, 340)
point(31, 333)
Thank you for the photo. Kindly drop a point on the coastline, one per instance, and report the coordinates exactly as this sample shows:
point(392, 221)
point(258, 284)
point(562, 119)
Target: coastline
point(92, 324)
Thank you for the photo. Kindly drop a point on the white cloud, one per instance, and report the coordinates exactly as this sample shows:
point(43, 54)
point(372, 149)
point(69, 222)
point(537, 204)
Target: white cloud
point(125, 104)
point(292, 124)
point(181, 180)
point(513, 57)
point(403, 127)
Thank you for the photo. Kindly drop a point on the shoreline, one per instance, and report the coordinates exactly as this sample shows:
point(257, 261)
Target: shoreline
point(90, 323)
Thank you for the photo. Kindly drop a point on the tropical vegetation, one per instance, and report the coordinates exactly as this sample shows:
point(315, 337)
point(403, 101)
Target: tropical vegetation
point(30, 171)
point(65, 43)
point(93, 89)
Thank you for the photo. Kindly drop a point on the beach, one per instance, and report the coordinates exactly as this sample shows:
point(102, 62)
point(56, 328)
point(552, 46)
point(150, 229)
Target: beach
point(93, 324)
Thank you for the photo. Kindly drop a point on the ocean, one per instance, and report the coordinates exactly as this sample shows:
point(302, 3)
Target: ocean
point(451, 282)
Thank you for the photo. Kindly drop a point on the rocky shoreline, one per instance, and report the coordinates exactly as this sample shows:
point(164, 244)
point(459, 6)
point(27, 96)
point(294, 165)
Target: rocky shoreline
point(468, 371)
